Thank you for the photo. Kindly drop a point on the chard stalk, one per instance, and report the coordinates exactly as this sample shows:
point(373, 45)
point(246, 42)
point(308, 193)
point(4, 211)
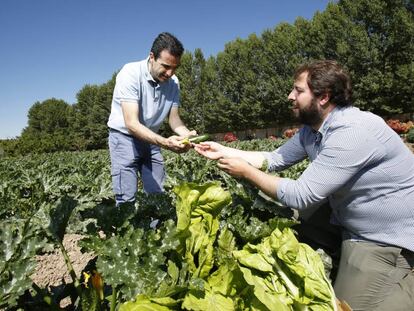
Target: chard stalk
point(333, 297)
point(292, 288)
point(113, 299)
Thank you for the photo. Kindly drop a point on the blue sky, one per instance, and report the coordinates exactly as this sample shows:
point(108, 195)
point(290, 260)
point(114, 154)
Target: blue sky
point(52, 48)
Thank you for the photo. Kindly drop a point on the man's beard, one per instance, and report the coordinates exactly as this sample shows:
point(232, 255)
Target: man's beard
point(310, 115)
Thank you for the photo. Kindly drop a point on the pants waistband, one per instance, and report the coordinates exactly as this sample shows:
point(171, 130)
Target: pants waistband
point(116, 131)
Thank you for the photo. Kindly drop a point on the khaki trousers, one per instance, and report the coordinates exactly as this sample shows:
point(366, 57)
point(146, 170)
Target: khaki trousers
point(374, 277)
point(365, 275)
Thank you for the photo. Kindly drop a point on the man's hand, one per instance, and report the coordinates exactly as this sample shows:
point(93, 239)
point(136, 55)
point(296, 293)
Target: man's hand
point(211, 150)
point(236, 167)
point(175, 143)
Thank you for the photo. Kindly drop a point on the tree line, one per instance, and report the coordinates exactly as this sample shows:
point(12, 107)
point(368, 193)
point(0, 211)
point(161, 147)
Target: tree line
point(246, 85)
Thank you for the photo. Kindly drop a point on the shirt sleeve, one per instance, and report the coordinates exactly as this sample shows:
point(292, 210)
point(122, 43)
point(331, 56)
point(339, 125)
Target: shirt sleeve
point(127, 84)
point(345, 154)
point(176, 95)
point(286, 155)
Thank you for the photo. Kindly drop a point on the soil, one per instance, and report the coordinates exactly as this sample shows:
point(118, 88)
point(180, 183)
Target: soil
point(51, 271)
point(51, 267)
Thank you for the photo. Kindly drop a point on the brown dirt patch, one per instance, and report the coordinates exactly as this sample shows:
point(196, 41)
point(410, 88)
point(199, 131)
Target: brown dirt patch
point(51, 269)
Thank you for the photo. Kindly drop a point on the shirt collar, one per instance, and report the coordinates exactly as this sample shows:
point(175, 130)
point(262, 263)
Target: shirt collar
point(328, 121)
point(147, 74)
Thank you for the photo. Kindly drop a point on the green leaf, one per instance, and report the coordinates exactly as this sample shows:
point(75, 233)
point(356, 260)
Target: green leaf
point(19, 242)
point(198, 208)
point(210, 302)
point(272, 294)
point(143, 303)
point(59, 216)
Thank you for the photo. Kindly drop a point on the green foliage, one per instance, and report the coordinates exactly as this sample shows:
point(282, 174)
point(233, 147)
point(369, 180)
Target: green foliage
point(19, 243)
point(90, 114)
point(48, 128)
point(193, 91)
point(382, 64)
point(217, 273)
point(30, 181)
point(131, 261)
point(198, 207)
point(285, 274)
point(48, 116)
point(410, 136)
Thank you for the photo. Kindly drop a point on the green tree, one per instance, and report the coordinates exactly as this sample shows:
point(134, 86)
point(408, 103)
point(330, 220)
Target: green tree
point(284, 49)
point(91, 112)
point(192, 90)
point(48, 116)
point(48, 127)
point(383, 76)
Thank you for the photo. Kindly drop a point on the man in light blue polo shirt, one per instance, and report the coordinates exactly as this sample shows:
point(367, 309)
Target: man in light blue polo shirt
point(145, 93)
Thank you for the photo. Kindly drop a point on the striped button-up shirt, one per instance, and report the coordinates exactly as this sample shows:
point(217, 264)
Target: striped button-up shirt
point(362, 167)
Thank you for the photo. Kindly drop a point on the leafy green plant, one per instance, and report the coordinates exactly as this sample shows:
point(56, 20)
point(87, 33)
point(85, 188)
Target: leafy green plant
point(19, 244)
point(410, 136)
point(211, 270)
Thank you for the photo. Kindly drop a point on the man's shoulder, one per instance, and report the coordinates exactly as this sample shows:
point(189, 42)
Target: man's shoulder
point(354, 117)
point(131, 72)
point(174, 80)
point(134, 66)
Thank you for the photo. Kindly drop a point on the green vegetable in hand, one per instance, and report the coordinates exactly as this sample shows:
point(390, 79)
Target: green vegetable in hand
point(196, 139)
point(199, 139)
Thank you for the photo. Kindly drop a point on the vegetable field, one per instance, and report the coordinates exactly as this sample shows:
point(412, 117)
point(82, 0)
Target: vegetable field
point(219, 244)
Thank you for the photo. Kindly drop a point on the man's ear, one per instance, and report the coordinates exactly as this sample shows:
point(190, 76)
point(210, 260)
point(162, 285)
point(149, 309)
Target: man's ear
point(151, 55)
point(324, 99)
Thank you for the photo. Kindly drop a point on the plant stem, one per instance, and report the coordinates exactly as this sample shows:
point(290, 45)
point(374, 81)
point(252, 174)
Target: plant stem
point(70, 269)
point(113, 299)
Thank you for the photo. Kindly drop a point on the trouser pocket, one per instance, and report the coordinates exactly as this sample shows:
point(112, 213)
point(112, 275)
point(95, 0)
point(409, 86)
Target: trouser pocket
point(124, 184)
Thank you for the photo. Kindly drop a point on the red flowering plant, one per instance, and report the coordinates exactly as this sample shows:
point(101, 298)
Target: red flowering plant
point(290, 132)
point(229, 137)
point(400, 127)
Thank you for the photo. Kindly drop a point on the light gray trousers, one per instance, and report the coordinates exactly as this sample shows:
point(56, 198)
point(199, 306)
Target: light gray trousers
point(130, 157)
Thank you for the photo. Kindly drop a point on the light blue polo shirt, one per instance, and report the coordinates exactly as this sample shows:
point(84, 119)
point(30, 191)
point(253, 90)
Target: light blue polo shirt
point(135, 83)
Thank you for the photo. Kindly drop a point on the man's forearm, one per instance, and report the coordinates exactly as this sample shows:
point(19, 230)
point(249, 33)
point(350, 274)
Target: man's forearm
point(255, 158)
point(181, 130)
point(143, 133)
point(265, 182)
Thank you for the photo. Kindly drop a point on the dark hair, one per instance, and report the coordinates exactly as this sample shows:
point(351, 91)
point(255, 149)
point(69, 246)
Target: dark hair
point(166, 41)
point(328, 77)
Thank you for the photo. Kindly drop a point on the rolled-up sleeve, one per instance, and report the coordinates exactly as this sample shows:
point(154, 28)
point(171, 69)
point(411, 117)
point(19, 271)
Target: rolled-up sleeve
point(344, 155)
point(286, 155)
